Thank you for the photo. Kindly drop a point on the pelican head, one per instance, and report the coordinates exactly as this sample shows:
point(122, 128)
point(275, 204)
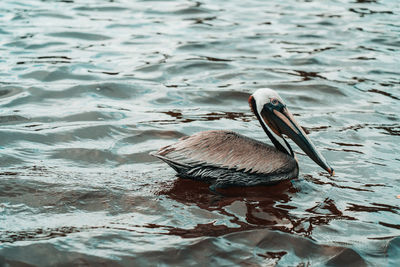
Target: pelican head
point(275, 119)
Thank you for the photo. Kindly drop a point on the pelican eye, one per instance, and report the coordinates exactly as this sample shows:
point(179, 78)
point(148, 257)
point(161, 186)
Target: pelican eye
point(274, 101)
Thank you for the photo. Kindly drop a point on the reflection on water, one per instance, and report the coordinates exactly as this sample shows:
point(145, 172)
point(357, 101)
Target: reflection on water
point(89, 88)
point(252, 208)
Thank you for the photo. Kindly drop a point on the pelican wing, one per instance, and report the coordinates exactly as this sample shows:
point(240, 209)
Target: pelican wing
point(227, 150)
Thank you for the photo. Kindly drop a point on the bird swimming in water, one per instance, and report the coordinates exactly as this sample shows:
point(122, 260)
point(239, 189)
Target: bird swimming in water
point(225, 158)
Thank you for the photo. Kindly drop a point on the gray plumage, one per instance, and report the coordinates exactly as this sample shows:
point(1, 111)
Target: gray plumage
point(225, 158)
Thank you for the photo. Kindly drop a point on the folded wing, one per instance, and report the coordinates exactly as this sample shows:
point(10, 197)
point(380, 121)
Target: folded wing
point(226, 150)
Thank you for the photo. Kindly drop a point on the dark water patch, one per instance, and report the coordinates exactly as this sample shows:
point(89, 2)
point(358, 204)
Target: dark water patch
point(32, 125)
point(7, 160)
point(365, 1)
point(383, 72)
point(85, 155)
point(192, 10)
point(307, 75)
point(17, 188)
point(8, 173)
point(383, 93)
point(223, 96)
point(142, 136)
point(192, 46)
point(363, 58)
point(382, 238)
point(276, 256)
point(80, 36)
point(322, 49)
point(347, 257)
point(373, 185)
point(15, 44)
point(362, 11)
point(36, 235)
point(308, 130)
point(59, 133)
point(347, 144)
point(48, 62)
point(46, 59)
point(306, 61)
point(208, 229)
point(309, 36)
point(326, 23)
point(55, 57)
point(3, 31)
point(93, 116)
point(181, 118)
point(227, 115)
point(390, 130)
point(225, 85)
point(387, 42)
point(65, 196)
point(326, 207)
point(90, 132)
point(124, 25)
point(60, 74)
point(376, 163)
point(207, 97)
point(148, 68)
point(346, 150)
point(393, 250)
point(8, 91)
point(197, 66)
point(52, 256)
point(142, 157)
point(355, 127)
point(392, 84)
point(377, 208)
point(202, 20)
point(45, 45)
point(100, 8)
point(211, 59)
point(52, 15)
point(218, 97)
point(172, 86)
point(395, 226)
point(27, 36)
point(11, 119)
point(104, 72)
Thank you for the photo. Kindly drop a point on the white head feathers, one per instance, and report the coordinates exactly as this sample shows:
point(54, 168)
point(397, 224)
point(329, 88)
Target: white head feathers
point(264, 96)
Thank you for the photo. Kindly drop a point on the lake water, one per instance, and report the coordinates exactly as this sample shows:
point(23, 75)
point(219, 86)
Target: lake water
point(89, 88)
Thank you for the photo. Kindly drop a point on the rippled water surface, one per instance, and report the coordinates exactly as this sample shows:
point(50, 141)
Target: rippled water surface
point(89, 88)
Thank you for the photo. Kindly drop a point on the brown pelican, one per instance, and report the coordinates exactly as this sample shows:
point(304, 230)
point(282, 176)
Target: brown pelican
point(226, 158)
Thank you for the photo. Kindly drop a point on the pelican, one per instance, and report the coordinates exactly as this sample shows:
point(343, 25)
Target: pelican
point(225, 158)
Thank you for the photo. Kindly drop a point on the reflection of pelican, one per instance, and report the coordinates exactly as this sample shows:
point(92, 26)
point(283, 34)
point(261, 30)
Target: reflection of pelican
point(225, 158)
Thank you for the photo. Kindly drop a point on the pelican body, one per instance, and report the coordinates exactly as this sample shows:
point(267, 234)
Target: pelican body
point(225, 158)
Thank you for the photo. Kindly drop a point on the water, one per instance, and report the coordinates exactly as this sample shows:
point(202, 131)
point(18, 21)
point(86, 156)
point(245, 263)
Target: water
point(89, 88)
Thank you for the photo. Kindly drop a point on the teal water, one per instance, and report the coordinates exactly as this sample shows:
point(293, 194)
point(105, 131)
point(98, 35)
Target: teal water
point(89, 88)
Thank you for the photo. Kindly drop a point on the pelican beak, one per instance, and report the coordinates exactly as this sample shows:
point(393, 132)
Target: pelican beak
point(279, 117)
